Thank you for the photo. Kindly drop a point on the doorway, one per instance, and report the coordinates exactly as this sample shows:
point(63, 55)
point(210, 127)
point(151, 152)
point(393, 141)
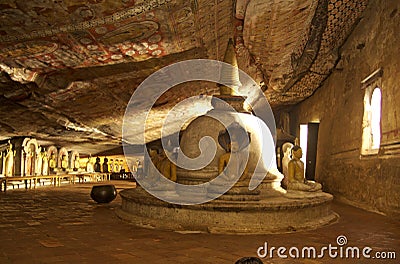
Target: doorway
point(309, 142)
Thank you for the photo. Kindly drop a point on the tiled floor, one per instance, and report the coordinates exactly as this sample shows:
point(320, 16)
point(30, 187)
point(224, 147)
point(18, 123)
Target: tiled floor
point(63, 225)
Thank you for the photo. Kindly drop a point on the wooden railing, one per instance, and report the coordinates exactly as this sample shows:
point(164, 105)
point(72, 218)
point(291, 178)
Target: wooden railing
point(55, 179)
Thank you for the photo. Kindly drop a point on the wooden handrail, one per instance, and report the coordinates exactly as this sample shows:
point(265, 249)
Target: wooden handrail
point(55, 178)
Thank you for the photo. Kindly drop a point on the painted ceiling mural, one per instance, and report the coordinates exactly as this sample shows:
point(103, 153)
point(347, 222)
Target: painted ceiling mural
point(54, 52)
point(36, 35)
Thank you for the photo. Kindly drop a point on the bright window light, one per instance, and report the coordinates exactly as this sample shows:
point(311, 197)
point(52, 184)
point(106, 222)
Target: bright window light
point(371, 137)
point(303, 142)
point(376, 118)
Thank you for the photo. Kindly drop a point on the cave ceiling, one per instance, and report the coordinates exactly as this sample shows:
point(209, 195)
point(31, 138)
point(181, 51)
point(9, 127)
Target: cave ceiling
point(69, 67)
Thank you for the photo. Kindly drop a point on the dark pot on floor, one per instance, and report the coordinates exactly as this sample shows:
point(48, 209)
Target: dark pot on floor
point(103, 193)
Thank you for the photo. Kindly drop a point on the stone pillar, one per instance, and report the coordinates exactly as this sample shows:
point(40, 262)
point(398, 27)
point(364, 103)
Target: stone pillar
point(18, 161)
point(1, 162)
point(71, 159)
point(24, 163)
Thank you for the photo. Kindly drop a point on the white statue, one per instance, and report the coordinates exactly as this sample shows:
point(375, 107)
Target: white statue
point(45, 163)
point(9, 161)
point(287, 149)
point(89, 165)
point(39, 163)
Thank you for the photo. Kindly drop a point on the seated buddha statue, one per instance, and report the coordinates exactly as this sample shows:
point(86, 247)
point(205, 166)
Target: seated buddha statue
point(287, 149)
point(116, 166)
point(97, 166)
point(111, 166)
point(105, 164)
point(233, 145)
point(77, 164)
point(89, 165)
point(52, 163)
point(238, 163)
point(163, 166)
point(233, 166)
point(64, 163)
point(166, 167)
point(296, 180)
point(149, 171)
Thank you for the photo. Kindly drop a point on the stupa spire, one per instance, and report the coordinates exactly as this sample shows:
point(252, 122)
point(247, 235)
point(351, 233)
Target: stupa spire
point(229, 76)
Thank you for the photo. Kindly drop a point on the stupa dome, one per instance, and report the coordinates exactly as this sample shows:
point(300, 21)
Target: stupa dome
point(208, 126)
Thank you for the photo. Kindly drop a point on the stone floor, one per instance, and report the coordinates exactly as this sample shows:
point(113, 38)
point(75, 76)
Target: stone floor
point(63, 225)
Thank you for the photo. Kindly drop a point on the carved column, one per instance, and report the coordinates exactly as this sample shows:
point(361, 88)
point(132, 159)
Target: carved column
point(1, 162)
point(18, 160)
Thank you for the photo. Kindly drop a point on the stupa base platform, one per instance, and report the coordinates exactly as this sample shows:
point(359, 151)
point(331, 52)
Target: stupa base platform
point(265, 216)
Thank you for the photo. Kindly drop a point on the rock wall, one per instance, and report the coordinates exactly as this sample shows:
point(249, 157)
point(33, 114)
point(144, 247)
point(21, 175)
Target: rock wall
point(371, 182)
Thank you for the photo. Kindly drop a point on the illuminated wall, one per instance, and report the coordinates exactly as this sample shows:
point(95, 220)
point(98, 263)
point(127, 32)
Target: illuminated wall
point(367, 180)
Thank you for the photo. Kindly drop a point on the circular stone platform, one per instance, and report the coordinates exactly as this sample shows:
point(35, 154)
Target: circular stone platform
point(288, 213)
